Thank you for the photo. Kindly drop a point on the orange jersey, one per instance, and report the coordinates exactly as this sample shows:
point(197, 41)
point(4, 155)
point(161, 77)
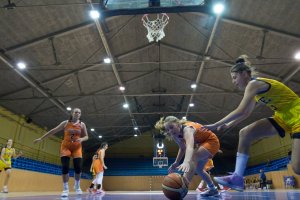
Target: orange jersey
point(97, 163)
point(204, 138)
point(69, 146)
point(72, 131)
point(200, 136)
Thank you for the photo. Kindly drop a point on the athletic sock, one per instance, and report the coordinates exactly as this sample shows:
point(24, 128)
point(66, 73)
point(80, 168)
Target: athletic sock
point(66, 186)
point(77, 184)
point(241, 163)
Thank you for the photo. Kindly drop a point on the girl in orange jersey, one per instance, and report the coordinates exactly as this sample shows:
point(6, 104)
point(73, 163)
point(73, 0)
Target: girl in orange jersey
point(74, 134)
point(195, 145)
point(286, 119)
point(98, 167)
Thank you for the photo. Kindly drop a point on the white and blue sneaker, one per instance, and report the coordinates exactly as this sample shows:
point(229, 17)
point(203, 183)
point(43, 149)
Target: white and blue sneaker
point(65, 193)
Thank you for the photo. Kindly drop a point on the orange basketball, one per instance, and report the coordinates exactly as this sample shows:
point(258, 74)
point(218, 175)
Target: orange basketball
point(174, 186)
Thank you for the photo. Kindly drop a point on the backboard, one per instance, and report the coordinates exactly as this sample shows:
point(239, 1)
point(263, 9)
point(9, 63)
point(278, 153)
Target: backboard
point(110, 8)
point(160, 162)
point(135, 4)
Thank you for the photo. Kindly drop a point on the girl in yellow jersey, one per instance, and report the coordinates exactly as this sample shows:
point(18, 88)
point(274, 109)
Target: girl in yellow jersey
point(5, 161)
point(286, 119)
point(74, 134)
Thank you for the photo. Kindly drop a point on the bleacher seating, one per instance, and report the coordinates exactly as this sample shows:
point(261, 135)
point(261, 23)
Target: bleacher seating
point(274, 165)
point(116, 167)
point(134, 167)
point(43, 167)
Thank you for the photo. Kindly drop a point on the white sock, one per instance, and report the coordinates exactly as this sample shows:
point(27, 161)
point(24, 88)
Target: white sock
point(241, 163)
point(77, 184)
point(201, 184)
point(66, 186)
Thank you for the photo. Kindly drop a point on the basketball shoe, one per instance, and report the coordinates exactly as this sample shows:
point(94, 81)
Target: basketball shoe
point(100, 191)
point(233, 181)
point(5, 190)
point(65, 193)
point(78, 191)
point(201, 189)
point(210, 192)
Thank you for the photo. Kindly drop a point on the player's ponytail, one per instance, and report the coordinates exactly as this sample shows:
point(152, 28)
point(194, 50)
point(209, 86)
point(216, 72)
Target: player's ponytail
point(242, 64)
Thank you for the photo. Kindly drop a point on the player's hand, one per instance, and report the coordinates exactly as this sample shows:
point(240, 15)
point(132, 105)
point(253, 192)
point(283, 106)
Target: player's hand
point(172, 168)
point(184, 167)
point(104, 167)
point(37, 140)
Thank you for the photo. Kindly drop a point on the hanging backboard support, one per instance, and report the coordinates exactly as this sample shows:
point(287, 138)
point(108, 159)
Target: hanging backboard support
point(160, 162)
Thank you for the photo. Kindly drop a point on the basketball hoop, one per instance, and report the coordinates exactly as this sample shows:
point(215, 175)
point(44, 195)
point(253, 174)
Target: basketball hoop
point(160, 164)
point(155, 27)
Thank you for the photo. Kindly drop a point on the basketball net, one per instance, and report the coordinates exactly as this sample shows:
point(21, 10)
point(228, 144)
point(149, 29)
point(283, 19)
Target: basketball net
point(155, 27)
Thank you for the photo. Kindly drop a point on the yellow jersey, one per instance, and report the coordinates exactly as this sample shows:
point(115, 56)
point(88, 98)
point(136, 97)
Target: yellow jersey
point(278, 97)
point(8, 153)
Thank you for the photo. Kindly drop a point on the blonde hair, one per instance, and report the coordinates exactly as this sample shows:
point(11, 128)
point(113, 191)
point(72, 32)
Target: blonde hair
point(161, 127)
point(243, 64)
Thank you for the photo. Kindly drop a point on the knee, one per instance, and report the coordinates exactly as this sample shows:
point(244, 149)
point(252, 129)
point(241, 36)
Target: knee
point(244, 134)
point(200, 172)
point(8, 172)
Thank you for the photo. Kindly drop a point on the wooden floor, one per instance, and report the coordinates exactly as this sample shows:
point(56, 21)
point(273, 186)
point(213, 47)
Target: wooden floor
point(246, 195)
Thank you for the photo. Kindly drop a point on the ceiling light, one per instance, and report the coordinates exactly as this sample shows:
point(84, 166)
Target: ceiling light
point(191, 105)
point(21, 65)
point(218, 8)
point(297, 56)
point(135, 135)
point(194, 85)
point(107, 60)
point(92, 129)
point(135, 128)
point(207, 57)
point(69, 108)
point(100, 136)
point(184, 117)
point(94, 14)
point(122, 88)
point(125, 105)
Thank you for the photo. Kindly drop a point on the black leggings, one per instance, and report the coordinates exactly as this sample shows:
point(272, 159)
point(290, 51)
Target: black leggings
point(65, 161)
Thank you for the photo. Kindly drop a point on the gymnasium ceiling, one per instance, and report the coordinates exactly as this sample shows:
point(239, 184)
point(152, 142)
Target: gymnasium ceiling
point(64, 51)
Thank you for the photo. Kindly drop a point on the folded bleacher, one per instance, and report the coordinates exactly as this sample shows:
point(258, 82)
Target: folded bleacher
point(42, 167)
point(275, 165)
